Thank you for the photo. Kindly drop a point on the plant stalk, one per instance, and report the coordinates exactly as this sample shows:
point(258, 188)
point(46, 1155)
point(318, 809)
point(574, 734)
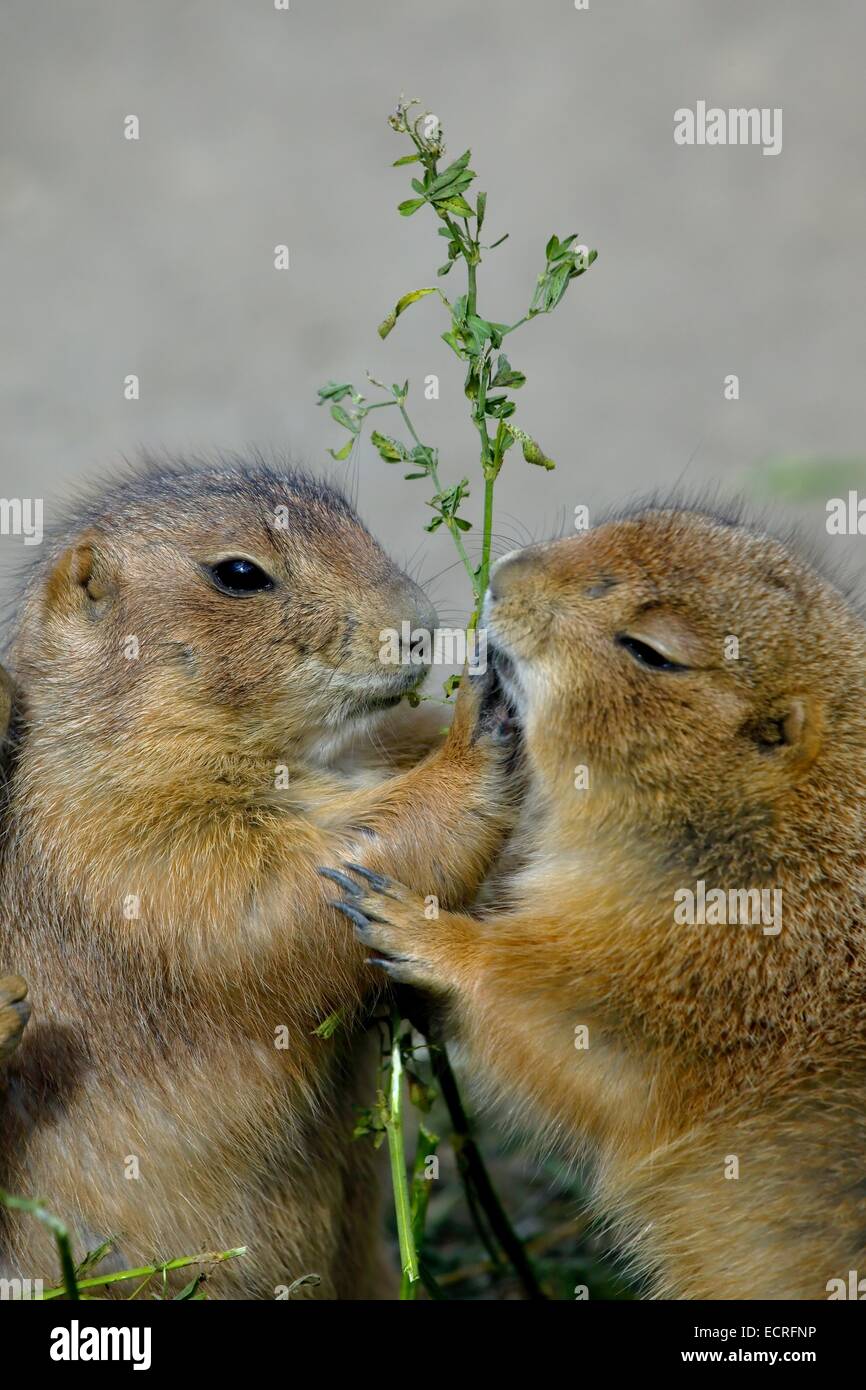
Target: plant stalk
point(410, 1273)
point(147, 1271)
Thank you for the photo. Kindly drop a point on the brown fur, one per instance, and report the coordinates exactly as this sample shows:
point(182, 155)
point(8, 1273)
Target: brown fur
point(705, 1041)
point(14, 1013)
point(154, 1035)
point(14, 1008)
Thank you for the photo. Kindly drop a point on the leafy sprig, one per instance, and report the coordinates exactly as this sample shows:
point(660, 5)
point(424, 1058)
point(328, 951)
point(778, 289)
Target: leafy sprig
point(475, 340)
point(490, 381)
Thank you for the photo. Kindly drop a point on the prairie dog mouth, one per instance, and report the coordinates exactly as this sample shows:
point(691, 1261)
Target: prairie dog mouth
point(498, 692)
point(387, 694)
point(507, 679)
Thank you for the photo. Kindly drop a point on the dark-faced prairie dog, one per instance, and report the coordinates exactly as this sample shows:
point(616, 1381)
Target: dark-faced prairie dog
point(673, 985)
point(189, 657)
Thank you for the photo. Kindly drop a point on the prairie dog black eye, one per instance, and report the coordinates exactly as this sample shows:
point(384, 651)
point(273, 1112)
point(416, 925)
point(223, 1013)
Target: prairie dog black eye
point(647, 655)
point(239, 577)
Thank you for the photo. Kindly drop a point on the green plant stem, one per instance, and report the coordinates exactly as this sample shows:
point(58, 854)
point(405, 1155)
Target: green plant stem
point(487, 539)
point(479, 1189)
point(434, 474)
point(420, 1200)
point(70, 1284)
point(472, 282)
point(425, 1148)
point(147, 1271)
point(394, 1125)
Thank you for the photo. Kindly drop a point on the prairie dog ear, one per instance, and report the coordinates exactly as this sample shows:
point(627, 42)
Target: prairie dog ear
point(81, 573)
point(793, 730)
point(803, 729)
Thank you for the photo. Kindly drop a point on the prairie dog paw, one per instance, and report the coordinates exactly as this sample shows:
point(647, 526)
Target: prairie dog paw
point(392, 921)
point(14, 1013)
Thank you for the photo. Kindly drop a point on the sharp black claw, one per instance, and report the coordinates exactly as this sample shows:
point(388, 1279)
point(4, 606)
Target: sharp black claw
point(390, 967)
point(377, 881)
point(343, 881)
point(354, 914)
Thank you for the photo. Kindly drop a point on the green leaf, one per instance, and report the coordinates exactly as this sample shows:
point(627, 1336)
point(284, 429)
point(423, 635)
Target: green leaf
point(444, 269)
point(334, 391)
point(420, 1094)
point(564, 262)
point(506, 375)
point(387, 324)
point(456, 171)
point(434, 524)
point(391, 450)
point(189, 1290)
point(93, 1257)
point(328, 1027)
point(342, 454)
point(480, 331)
point(447, 503)
point(463, 524)
point(499, 406)
point(410, 205)
point(454, 342)
point(454, 189)
point(458, 205)
point(406, 159)
point(450, 686)
point(480, 209)
point(409, 476)
point(342, 418)
point(557, 286)
point(532, 451)
point(370, 1122)
point(493, 245)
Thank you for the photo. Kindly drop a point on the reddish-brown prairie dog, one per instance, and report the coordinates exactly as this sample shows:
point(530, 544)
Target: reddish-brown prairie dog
point(190, 655)
point(693, 700)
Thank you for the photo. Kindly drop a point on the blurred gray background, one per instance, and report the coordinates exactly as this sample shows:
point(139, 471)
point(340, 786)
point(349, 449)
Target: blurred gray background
point(260, 127)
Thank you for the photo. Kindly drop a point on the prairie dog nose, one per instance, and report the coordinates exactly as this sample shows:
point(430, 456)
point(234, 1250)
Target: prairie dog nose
point(507, 573)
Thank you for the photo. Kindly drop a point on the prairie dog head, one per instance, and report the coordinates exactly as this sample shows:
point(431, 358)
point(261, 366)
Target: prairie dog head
point(229, 609)
point(698, 671)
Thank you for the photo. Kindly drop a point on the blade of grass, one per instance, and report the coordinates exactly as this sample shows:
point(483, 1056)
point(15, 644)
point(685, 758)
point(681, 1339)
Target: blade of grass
point(410, 1274)
point(70, 1284)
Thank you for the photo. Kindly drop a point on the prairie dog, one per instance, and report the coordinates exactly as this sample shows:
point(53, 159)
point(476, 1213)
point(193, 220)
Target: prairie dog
point(693, 705)
point(190, 654)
